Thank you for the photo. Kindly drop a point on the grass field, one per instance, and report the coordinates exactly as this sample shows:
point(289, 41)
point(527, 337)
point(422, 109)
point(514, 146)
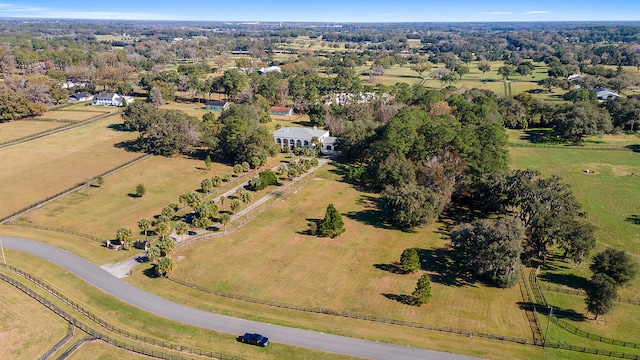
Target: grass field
point(609, 196)
point(545, 136)
point(134, 320)
point(42, 167)
point(349, 273)
point(98, 350)
point(12, 130)
point(27, 329)
point(71, 115)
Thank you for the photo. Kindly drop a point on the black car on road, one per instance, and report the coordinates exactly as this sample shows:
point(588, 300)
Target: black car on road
point(254, 339)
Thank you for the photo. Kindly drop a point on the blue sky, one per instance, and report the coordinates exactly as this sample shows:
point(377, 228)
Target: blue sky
point(328, 10)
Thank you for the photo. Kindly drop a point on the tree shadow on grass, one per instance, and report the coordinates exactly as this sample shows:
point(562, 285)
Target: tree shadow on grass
point(558, 312)
point(117, 127)
point(151, 272)
point(542, 136)
point(340, 169)
point(570, 280)
point(634, 148)
point(128, 145)
point(393, 268)
point(634, 219)
point(401, 298)
point(133, 195)
point(441, 263)
point(312, 227)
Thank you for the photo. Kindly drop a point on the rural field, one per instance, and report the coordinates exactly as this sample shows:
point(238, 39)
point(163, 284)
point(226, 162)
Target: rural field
point(43, 167)
point(611, 201)
point(27, 329)
point(350, 273)
point(13, 130)
point(71, 115)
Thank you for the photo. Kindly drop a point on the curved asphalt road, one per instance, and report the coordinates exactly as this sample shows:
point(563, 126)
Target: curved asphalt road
point(170, 310)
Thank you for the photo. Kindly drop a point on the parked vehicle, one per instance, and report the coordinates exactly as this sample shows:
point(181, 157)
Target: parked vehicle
point(254, 339)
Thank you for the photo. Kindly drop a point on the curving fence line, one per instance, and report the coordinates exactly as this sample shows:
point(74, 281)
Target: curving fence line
point(102, 323)
point(578, 292)
point(533, 279)
point(70, 333)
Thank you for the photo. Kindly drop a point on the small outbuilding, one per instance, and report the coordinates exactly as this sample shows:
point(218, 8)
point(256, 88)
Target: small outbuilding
point(81, 96)
point(605, 94)
point(281, 111)
point(216, 105)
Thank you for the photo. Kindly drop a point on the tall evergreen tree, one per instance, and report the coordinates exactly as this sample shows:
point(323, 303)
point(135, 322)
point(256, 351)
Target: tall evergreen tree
point(332, 225)
point(422, 293)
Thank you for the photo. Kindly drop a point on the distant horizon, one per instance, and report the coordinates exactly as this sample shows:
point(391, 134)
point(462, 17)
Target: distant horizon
point(328, 11)
point(274, 22)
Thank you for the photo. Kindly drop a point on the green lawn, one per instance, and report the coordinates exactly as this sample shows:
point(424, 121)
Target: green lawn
point(610, 196)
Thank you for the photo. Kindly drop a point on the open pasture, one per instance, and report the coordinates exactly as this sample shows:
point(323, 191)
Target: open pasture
point(610, 196)
point(275, 259)
point(27, 328)
point(69, 115)
point(12, 130)
point(101, 211)
point(37, 169)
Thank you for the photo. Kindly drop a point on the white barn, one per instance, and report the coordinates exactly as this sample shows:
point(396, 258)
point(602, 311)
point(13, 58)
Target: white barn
point(302, 137)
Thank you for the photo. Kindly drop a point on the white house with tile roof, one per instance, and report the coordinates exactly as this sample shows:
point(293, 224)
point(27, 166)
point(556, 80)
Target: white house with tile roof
point(111, 99)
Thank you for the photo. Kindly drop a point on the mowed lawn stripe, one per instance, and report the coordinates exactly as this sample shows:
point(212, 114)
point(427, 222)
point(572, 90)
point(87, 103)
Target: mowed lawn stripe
point(273, 258)
point(37, 169)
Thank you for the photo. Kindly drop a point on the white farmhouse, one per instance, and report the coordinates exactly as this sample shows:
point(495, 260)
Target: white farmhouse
point(111, 99)
point(302, 137)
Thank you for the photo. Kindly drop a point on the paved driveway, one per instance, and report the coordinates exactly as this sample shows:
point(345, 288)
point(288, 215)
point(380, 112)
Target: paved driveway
point(181, 313)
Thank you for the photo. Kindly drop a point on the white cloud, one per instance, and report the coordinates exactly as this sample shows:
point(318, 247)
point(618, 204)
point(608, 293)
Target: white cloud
point(495, 13)
point(536, 12)
point(11, 10)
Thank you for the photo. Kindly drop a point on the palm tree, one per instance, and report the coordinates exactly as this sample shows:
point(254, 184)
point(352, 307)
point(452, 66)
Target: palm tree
point(222, 202)
point(125, 237)
point(162, 228)
point(194, 200)
point(165, 265)
point(216, 181)
point(225, 219)
point(206, 185)
point(166, 245)
point(246, 199)
point(184, 199)
point(144, 224)
point(203, 223)
point(153, 253)
point(181, 229)
point(235, 205)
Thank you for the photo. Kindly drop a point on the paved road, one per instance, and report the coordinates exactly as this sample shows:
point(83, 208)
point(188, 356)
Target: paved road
point(181, 313)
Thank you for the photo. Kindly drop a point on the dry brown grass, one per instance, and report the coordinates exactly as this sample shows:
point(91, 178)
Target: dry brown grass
point(12, 130)
point(273, 259)
point(27, 329)
point(72, 115)
point(107, 208)
point(37, 169)
point(99, 350)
